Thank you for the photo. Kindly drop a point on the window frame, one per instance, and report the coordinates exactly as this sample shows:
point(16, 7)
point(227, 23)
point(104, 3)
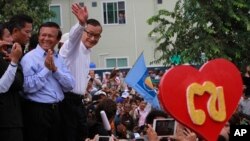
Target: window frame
point(116, 61)
point(117, 14)
point(60, 7)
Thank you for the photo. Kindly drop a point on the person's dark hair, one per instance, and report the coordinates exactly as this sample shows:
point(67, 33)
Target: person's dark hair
point(52, 24)
point(93, 22)
point(154, 114)
point(19, 21)
point(2, 27)
point(33, 41)
point(91, 80)
point(107, 105)
point(132, 101)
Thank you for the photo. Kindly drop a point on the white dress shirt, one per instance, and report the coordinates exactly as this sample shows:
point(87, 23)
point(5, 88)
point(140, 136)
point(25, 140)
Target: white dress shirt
point(8, 78)
point(77, 58)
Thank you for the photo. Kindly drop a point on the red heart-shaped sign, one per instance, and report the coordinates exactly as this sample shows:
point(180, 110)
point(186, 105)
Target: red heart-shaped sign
point(203, 100)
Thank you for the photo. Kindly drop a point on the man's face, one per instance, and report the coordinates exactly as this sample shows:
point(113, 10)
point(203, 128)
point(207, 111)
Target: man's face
point(91, 35)
point(22, 35)
point(48, 37)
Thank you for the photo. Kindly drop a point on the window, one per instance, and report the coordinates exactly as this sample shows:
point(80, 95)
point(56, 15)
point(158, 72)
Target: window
point(94, 4)
point(116, 62)
point(159, 1)
point(57, 11)
point(81, 4)
point(114, 12)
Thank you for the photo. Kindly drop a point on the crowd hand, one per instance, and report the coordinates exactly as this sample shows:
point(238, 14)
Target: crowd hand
point(96, 138)
point(49, 61)
point(225, 132)
point(16, 53)
point(81, 13)
point(152, 135)
point(187, 135)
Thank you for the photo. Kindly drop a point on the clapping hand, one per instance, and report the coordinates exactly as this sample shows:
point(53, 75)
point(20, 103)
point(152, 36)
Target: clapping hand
point(49, 61)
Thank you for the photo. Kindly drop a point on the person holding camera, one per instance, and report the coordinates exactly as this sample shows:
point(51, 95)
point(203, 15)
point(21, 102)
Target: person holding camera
point(20, 27)
point(11, 82)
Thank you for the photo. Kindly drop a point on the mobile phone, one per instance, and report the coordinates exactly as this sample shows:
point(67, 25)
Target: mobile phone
point(9, 47)
point(137, 135)
point(164, 127)
point(139, 139)
point(104, 138)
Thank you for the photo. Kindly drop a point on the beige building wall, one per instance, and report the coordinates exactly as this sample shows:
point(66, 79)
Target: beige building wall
point(121, 40)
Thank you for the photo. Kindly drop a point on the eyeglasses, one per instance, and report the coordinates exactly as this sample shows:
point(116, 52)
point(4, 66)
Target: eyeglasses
point(90, 35)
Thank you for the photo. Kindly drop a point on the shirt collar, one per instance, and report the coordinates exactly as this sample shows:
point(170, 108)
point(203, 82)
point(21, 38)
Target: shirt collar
point(41, 51)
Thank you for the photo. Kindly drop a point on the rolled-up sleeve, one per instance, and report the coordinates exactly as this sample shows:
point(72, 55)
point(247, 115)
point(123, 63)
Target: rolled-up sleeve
point(34, 78)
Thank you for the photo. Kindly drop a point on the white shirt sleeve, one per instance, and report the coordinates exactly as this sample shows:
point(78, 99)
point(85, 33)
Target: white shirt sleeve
point(74, 41)
point(7, 79)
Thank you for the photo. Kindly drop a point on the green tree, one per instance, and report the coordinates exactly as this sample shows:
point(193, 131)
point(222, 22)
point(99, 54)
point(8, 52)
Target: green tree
point(37, 9)
point(200, 30)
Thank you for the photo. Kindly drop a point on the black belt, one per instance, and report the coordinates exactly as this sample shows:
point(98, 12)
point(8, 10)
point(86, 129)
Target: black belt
point(45, 105)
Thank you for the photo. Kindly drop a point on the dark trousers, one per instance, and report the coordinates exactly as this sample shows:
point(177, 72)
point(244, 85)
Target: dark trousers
point(11, 134)
point(74, 118)
point(42, 122)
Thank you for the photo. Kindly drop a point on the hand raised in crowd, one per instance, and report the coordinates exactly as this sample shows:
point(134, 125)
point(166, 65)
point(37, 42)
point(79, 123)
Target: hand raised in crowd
point(81, 13)
point(49, 61)
point(183, 134)
point(225, 131)
point(96, 138)
point(152, 135)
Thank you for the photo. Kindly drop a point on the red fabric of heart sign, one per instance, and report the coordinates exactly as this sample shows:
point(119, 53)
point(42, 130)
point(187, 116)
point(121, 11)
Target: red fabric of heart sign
point(174, 92)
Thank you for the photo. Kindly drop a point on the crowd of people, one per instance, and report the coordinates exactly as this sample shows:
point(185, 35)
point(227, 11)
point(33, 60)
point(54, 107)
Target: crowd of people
point(47, 95)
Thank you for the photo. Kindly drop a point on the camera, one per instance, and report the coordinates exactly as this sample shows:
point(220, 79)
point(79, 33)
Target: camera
point(139, 139)
point(104, 138)
point(164, 127)
point(8, 48)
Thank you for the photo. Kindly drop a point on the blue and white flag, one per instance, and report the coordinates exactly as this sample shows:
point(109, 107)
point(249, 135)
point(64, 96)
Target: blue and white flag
point(139, 80)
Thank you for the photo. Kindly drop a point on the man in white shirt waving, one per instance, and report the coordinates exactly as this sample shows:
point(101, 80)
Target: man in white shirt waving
point(76, 52)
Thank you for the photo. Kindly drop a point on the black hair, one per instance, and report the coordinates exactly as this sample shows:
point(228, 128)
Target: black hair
point(154, 114)
point(93, 22)
point(19, 21)
point(107, 105)
point(33, 41)
point(2, 27)
point(51, 24)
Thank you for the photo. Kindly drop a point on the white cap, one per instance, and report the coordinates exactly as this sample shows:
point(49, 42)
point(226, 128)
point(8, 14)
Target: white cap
point(106, 72)
point(100, 92)
point(64, 37)
point(125, 94)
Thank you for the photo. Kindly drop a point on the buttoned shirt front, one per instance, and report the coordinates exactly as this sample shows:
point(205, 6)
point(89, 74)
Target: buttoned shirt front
point(41, 84)
point(77, 58)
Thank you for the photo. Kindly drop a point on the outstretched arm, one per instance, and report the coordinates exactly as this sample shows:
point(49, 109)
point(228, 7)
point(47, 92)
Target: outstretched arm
point(76, 31)
point(81, 13)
